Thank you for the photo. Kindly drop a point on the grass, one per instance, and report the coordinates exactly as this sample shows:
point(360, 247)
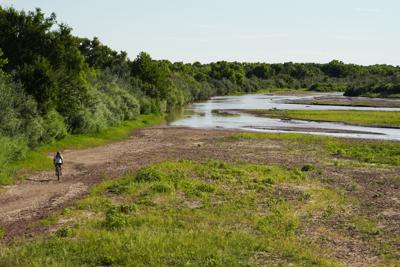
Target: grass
point(222, 113)
point(350, 102)
point(369, 94)
point(365, 151)
point(185, 213)
point(357, 117)
point(365, 225)
point(38, 159)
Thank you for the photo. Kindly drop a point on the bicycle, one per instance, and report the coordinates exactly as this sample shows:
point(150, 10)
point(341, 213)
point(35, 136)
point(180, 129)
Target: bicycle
point(58, 171)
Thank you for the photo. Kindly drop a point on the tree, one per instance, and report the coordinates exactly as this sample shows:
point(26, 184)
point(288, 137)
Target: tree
point(155, 74)
point(335, 68)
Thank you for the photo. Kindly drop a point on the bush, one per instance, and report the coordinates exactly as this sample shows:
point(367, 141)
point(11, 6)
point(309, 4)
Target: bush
point(328, 87)
point(115, 219)
point(128, 208)
point(64, 231)
point(118, 188)
point(206, 188)
point(11, 149)
point(34, 131)
point(307, 167)
point(149, 174)
point(54, 127)
point(145, 105)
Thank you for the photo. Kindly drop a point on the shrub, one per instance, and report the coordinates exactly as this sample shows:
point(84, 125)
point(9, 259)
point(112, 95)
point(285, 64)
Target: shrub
point(115, 219)
point(106, 260)
point(118, 188)
point(145, 105)
point(327, 87)
point(148, 174)
point(128, 208)
point(11, 149)
point(64, 231)
point(207, 188)
point(54, 127)
point(34, 131)
point(307, 167)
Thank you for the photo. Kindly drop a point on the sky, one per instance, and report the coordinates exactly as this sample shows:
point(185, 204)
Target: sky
point(355, 31)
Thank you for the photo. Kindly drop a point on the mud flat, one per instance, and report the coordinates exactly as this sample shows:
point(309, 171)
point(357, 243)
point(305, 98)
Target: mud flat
point(310, 130)
point(348, 101)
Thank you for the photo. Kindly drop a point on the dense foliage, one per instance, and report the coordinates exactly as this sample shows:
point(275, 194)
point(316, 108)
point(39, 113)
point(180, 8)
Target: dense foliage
point(53, 83)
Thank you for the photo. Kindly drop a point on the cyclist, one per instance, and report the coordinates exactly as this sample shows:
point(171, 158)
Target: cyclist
point(58, 161)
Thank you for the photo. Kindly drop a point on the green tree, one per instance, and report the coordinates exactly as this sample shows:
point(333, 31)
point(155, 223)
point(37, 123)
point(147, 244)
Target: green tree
point(154, 73)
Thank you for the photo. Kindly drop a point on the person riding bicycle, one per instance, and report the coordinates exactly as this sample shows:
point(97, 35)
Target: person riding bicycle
point(58, 161)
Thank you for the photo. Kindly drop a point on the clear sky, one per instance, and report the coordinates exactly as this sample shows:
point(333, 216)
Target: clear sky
point(354, 31)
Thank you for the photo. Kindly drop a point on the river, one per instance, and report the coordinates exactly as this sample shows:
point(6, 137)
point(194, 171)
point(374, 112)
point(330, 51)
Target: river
point(200, 115)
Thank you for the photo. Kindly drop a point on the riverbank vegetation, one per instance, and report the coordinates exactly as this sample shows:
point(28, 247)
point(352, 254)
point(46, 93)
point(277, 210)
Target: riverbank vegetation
point(355, 117)
point(54, 84)
point(28, 160)
point(390, 89)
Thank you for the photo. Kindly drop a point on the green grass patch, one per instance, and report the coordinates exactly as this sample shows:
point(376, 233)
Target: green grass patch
point(365, 225)
point(357, 117)
point(366, 102)
point(182, 213)
point(364, 151)
point(52, 219)
point(223, 113)
point(38, 159)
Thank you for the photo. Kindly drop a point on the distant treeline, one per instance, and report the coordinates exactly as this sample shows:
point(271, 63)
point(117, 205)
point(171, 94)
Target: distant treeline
point(53, 83)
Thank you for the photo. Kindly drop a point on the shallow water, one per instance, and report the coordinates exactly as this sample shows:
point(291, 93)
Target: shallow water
point(200, 115)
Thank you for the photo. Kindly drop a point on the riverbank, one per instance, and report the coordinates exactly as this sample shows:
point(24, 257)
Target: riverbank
point(383, 119)
point(348, 101)
point(278, 91)
point(180, 195)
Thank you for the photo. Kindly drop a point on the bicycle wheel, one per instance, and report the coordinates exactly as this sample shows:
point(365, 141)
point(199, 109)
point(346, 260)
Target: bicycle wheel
point(58, 172)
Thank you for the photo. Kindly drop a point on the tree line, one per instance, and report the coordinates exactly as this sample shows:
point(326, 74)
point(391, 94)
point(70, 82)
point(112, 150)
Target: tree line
point(53, 83)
